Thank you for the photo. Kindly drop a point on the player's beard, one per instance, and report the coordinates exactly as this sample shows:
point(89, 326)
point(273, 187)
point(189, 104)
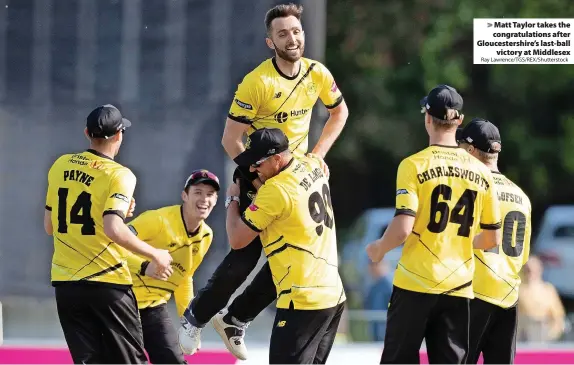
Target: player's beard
point(284, 54)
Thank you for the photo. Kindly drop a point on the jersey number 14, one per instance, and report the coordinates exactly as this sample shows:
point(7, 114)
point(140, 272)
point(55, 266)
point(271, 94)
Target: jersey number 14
point(80, 212)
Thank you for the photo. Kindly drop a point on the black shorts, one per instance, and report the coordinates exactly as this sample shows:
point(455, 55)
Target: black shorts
point(492, 332)
point(304, 336)
point(100, 323)
point(160, 336)
point(441, 320)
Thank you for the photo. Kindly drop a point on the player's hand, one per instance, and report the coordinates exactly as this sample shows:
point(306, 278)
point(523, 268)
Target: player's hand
point(162, 261)
point(324, 166)
point(154, 272)
point(233, 189)
point(131, 208)
point(375, 251)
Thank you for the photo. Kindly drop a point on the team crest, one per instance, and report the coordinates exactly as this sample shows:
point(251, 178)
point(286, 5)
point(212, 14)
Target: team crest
point(98, 165)
point(311, 88)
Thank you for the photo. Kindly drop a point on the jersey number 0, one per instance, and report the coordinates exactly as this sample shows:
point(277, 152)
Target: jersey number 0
point(79, 213)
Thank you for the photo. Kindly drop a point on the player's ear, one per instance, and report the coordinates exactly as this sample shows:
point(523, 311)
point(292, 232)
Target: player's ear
point(184, 196)
point(87, 134)
point(270, 43)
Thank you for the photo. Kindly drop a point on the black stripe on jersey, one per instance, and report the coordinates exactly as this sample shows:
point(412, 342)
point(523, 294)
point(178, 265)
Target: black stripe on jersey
point(288, 291)
point(491, 227)
point(192, 243)
point(153, 287)
point(104, 271)
point(81, 254)
point(410, 212)
point(465, 285)
point(48, 208)
point(119, 213)
point(300, 141)
point(65, 267)
point(92, 260)
point(336, 103)
point(240, 119)
point(274, 242)
point(137, 286)
point(288, 245)
point(414, 273)
point(249, 224)
point(491, 269)
point(429, 250)
point(284, 276)
point(451, 274)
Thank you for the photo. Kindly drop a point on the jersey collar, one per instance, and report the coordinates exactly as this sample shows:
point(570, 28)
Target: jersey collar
point(443, 145)
point(282, 74)
point(99, 154)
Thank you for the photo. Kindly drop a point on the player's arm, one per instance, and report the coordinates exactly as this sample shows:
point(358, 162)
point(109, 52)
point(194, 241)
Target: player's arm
point(117, 205)
point(490, 221)
point(401, 225)
point(147, 227)
point(48, 209)
point(332, 97)
point(269, 204)
point(242, 112)
point(527, 235)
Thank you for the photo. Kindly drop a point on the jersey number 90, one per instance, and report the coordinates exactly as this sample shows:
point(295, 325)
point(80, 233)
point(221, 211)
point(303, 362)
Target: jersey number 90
point(318, 203)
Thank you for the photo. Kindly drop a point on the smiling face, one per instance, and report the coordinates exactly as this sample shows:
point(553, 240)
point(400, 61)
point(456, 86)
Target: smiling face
point(199, 200)
point(287, 38)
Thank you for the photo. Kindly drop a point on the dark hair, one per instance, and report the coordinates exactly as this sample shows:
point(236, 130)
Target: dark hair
point(282, 11)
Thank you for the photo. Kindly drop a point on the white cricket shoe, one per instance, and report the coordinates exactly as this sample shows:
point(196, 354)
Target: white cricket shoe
point(232, 333)
point(189, 337)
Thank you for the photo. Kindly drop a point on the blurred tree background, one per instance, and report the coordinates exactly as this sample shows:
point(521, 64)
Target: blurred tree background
point(387, 54)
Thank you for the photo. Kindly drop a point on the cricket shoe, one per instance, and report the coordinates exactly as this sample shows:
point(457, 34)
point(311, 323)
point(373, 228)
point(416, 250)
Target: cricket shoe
point(232, 333)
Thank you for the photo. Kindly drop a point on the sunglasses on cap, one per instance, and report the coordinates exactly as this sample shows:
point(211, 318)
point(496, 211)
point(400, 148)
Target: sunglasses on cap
point(198, 176)
point(260, 162)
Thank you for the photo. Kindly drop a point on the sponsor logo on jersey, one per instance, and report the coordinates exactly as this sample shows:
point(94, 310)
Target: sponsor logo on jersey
point(243, 105)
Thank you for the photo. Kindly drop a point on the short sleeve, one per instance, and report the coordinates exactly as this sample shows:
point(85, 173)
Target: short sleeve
point(49, 192)
point(147, 226)
point(270, 203)
point(122, 186)
point(330, 94)
point(407, 200)
point(246, 100)
point(490, 216)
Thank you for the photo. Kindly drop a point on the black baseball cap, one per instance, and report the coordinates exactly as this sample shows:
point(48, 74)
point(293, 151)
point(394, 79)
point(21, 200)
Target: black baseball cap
point(105, 121)
point(261, 144)
point(441, 98)
point(202, 177)
point(481, 134)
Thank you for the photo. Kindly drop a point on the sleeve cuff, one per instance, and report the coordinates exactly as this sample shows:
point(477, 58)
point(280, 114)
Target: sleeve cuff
point(48, 208)
point(119, 213)
point(250, 225)
point(491, 227)
point(410, 212)
point(336, 103)
point(240, 119)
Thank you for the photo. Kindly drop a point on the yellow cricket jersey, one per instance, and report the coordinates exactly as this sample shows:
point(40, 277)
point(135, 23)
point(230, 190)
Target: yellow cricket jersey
point(294, 214)
point(82, 188)
point(451, 194)
point(496, 276)
point(267, 98)
point(165, 229)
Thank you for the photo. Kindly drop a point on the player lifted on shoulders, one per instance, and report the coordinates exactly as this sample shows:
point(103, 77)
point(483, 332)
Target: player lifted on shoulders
point(443, 196)
point(493, 315)
point(279, 93)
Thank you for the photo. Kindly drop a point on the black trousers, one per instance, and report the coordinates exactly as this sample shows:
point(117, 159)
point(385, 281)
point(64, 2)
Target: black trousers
point(304, 336)
point(160, 336)
point(492, 332)
point(101, 323)
point(441, 320)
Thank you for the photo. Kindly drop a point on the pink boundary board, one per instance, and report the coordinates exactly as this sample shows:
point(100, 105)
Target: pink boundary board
point(38, 355)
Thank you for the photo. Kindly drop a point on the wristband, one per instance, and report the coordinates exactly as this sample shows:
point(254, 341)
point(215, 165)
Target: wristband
point(144, 268)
